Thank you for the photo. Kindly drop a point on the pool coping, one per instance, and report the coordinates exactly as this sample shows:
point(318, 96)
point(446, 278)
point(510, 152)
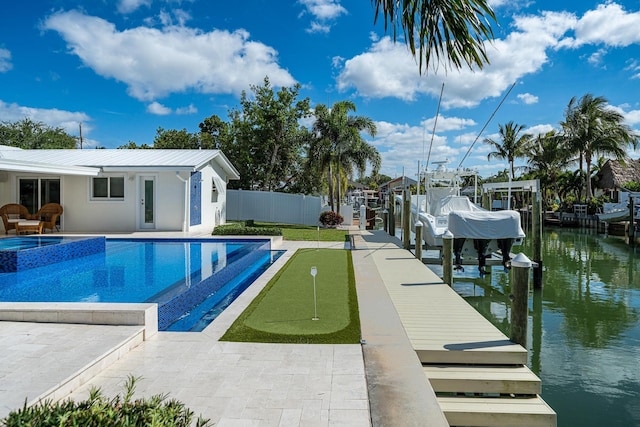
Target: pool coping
point(114, 314)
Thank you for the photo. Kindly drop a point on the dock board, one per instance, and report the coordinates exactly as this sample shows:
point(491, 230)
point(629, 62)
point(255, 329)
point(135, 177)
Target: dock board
point(441, 325)
point(517, 380)
point(497, 412)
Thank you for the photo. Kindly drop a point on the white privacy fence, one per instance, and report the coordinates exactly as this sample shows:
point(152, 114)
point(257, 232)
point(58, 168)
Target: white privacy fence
point(273, 207)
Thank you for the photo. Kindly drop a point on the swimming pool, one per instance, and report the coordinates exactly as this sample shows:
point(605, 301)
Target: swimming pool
point(181, 275)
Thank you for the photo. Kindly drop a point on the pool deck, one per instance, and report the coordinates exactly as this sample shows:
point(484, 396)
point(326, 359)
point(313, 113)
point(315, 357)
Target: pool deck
point(235, 384)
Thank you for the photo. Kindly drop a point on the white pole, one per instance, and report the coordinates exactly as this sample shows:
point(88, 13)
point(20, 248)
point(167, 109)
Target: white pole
point(314, 271)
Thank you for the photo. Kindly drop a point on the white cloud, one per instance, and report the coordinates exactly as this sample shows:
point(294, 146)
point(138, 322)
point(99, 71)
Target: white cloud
point(608, 24)
point(158, 109)
point(527, 98)
point(388, 70)
point(154, 63)
point(162, 110)
point(128, 6)
point(5, 60)
point(324, 12)
point(597, 57)
point(402, 145)
point(190, 109)
point(324, 9)
point(67, 120)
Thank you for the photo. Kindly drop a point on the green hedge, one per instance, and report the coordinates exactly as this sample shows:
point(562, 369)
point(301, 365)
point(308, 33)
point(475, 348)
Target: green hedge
point(241, 230)
point(99, 411)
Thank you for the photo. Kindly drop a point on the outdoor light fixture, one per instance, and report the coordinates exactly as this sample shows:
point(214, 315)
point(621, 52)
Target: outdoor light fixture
point(314, 272)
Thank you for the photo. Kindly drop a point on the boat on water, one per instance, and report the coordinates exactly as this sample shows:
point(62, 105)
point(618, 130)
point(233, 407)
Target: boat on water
point(477, 233)
point(616, 212)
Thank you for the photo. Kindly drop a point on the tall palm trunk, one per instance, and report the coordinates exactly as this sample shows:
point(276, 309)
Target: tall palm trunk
point(330, 183)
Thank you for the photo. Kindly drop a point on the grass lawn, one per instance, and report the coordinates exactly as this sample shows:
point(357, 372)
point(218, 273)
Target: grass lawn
point(307, 232)
point(283, 311)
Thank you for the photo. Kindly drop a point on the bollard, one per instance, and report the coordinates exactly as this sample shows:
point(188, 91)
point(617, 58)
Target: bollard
point(385, 220)
point(632, 221)
point(447, 258)
point(406, 220)
point(519, 299)
point(392, 215)
point(363, 217)
point(536, 231)
point(418, 252)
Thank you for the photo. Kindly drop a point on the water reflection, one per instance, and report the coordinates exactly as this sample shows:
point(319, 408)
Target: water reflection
point(584, 327)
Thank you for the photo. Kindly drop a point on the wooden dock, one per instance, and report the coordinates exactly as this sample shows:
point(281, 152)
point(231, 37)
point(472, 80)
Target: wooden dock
point(479, 376)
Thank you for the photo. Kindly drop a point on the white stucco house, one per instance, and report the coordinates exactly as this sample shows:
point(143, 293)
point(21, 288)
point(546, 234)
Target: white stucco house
point(115, 190)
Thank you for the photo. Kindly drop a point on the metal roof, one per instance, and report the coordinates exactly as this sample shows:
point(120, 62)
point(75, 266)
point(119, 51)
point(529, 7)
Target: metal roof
point(34, 167)
point(123, 159)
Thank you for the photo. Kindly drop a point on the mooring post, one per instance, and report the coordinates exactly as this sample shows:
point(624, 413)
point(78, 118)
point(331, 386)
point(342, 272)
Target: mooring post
point(406, 220)
point(536, 230)
point(385, 219)
point(392, 214)
point(632, 223)
point(519, 299)
point(418, 251)
point(447, 258)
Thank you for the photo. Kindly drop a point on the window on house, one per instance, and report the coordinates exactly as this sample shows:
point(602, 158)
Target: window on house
point(110, 187)
point(214, 191)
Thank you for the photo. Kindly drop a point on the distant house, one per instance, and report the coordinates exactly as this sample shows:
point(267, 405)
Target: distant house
point(120, 190)
point(396, 185)
point(614, 175)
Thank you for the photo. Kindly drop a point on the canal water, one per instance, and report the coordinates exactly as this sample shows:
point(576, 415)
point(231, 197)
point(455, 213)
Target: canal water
point(584, 326)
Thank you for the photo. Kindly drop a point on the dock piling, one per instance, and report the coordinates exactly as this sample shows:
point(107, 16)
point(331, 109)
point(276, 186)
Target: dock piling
point(392, 215)
point(418, 251)
point(519, 299)
point(536, 231)
point(447, 258)
point(406, 220)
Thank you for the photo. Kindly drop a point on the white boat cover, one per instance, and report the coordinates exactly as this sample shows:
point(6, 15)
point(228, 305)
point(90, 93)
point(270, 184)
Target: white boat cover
point(482, 224)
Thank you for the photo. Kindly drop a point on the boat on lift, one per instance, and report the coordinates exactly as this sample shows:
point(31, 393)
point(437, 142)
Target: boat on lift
point(477, 232)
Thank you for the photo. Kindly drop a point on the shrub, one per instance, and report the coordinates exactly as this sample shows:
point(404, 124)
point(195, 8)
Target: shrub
point(240, 230)
point(330, 219)
point(99, 411)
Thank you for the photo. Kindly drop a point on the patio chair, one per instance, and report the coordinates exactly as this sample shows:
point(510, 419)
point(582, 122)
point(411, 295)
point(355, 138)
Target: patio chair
point(11, 214)
point(48, 214)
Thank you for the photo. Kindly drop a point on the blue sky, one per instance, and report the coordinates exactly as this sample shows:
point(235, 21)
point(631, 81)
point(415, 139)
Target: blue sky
point(124, 68)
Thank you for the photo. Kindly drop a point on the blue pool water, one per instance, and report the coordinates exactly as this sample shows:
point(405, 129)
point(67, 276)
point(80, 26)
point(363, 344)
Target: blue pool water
point(189, 279)
point(20, 243)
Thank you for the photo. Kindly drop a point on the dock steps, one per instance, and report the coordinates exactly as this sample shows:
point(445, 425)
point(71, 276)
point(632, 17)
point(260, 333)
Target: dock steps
point(497, 411)
point(505, 380)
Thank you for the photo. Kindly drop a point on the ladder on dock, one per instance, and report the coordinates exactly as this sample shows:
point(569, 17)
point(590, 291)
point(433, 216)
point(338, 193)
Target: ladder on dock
point(479, 376)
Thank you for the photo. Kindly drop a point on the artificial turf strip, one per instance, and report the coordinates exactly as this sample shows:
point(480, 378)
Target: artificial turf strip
point(283, 311)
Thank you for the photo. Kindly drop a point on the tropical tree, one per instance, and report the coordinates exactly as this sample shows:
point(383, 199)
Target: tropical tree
point(592, 128)
point(512, 144)
point(28, 134)
point(269, 124)
point(455, 30)
point(338, 146)
point(547, 159)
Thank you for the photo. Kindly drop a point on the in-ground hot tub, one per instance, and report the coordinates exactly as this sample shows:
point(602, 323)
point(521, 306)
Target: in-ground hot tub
point(23, 253)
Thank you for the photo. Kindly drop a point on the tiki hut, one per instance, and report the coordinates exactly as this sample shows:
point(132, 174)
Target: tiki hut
point(613, 175)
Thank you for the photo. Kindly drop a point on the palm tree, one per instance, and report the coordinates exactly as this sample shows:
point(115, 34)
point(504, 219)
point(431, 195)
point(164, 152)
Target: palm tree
point(547, 158)
point(592, 129)
point(453, 29)
point(339, 147)
point(511, 146)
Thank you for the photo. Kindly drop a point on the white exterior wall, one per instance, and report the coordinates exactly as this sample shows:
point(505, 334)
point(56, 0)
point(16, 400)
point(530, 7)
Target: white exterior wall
point(214, 209)
point(82, 214)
